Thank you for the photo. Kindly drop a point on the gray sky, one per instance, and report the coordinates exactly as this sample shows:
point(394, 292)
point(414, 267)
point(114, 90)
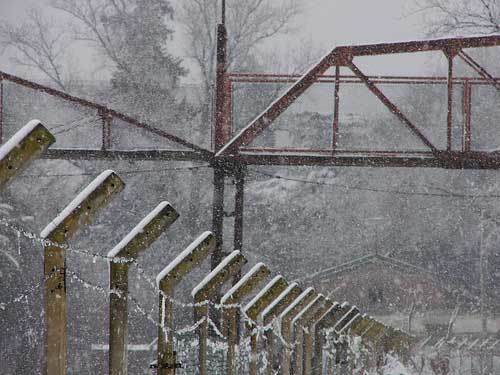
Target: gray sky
point(326, 22)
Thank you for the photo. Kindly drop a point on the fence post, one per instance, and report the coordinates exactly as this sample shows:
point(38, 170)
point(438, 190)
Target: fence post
point(230, 319)
point(286, 329)
point(297, 323)
point(24, 147)
point(270, 314)
point(202, 294)
point(308, 336)
point(254, 308)
point(120, 258)
point(328, 319)
point(167, 280)
point(76, 215)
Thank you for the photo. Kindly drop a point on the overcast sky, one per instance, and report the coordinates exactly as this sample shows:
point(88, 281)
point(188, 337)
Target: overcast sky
point(327, 22)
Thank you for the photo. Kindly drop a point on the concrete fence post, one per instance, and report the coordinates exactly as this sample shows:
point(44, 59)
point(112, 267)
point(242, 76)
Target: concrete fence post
point(298, 324)
point(202, 294)
point(167, 280)
point(286, 318)
point(230, 318)
point(120, 258)
point(254, 308)
point(309, 335)
point(270, 314)
point(75, 216)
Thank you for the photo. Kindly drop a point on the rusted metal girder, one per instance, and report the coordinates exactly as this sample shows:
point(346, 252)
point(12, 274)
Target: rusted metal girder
point(343, 56)
point(402, 159)
point(102, 109)
point(146, 155)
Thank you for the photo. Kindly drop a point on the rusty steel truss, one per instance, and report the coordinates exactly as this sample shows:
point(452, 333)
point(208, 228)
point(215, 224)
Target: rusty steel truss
point(232, 152)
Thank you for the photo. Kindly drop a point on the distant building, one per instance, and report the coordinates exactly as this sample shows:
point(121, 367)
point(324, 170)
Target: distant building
point(409, 297)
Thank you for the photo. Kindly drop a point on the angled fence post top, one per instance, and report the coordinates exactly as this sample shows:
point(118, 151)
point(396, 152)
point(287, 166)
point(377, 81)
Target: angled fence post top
point(144, 234)
point(305, 314)
point(265, 297)
point(361, 325)
point(219, 275)
point(351, 313)
point(22, 148)
point(297, 305)
point(246, 284)
point(281, 303)
point(184, 263)
point(375, 331)
point(86, 204)
point(334, 314)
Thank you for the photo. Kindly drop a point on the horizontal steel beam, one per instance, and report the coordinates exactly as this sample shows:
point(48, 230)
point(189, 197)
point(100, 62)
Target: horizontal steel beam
point(441, 159)
point(102, 109)
point(420, 45)
point(90, 154)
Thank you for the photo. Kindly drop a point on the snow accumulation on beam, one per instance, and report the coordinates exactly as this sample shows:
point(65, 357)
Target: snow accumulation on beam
point(214, 272)
point(185, 254)
point(304, 311)
point(279, 299)
point(255, 269)
point(76, 203)
point(139, 229)
point(298, 300)
point(17, 138)
point(263, 292)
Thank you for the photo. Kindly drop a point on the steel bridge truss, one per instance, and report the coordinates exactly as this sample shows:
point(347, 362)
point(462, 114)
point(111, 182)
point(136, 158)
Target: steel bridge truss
point(232, 153)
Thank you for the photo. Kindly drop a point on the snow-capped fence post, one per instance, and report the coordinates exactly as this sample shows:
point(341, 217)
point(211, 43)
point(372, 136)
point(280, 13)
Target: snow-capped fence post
point(205, 291)
point(286, 318)
point(270, 314)
point(342, 348)
point(373, 335)
point(308, 335)
point(120, 258)
point(298, 322)
point(254, 308)
point(166, 281)
point(327, 320)
point(76, 215)
point(230, 312)
point(24, 147)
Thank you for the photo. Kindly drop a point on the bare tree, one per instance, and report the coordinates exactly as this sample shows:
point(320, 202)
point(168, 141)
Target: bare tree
point(40, 45)
point(461, 16)
point(250, 23)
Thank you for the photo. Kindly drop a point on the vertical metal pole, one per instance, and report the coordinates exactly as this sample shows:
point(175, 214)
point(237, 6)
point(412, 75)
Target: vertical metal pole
point(118, 318)
point(223, 12)
point(449, 133)
point(221, 107)
point(218, 215)
point(1, 110)
point(55, 309)
point(109, 121)
point(466, 110)
point(239, 201)
point(335, 125)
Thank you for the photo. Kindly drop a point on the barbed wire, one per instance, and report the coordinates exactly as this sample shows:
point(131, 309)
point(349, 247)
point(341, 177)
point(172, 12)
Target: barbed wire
point(446, 194)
